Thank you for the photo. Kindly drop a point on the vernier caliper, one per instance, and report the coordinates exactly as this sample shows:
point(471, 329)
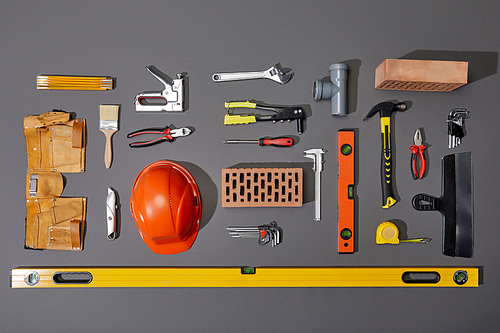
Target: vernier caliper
point(317, 156)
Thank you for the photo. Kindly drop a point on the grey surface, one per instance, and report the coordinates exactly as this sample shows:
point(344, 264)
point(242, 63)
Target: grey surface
point(119, 38)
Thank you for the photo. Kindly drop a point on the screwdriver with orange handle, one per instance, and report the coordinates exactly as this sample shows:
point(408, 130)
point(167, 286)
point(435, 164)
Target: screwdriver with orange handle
point(281, 141)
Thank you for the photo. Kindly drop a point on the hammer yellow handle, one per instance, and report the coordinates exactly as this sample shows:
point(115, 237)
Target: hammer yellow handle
point(386, 169)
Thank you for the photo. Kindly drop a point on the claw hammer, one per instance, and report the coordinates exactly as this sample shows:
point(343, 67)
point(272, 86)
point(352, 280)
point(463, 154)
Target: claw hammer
point(386, 109)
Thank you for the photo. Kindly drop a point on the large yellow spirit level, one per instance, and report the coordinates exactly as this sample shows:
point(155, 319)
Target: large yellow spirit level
point(223, 277)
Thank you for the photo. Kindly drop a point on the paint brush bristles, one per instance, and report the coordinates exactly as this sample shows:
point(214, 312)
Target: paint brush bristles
point(108, 124)
point(108, 119)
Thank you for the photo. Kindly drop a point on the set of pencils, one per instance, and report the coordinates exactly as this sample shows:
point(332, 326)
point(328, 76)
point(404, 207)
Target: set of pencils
point(63, 82)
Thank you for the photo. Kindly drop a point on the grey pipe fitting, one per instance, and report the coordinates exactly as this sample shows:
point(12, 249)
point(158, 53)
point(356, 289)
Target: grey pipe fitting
point(336, 89)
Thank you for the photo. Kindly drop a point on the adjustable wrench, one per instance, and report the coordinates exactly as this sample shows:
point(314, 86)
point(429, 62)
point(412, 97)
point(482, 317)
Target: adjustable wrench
point(317, 156)
point(275, 73)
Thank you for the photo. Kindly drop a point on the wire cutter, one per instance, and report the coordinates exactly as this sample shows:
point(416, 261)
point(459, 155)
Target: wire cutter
point(417, 156)
point(167, 134)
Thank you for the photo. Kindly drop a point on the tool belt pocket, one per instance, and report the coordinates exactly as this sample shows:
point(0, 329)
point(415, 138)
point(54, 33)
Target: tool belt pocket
point(56, 223)
point(54, 144)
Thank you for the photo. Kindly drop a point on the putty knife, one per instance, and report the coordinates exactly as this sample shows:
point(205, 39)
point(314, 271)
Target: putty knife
point(455, 204)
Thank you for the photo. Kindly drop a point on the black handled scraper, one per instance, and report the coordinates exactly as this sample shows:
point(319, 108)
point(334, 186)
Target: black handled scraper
point(455, 204)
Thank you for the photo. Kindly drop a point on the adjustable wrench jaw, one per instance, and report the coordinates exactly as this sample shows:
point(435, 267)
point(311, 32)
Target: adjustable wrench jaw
point(170, 99)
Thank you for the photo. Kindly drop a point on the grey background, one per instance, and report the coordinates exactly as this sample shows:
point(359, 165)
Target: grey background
point(119, 38)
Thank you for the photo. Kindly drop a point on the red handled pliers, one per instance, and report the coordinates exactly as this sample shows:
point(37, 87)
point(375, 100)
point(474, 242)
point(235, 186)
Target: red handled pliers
point(417, 156)
point(167, 134)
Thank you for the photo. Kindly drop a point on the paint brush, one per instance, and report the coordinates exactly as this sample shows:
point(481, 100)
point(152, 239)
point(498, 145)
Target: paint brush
point(108, 124)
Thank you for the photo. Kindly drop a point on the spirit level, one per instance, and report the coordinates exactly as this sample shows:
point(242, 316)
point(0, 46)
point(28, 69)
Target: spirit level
point(345, 192)
point(220, 277)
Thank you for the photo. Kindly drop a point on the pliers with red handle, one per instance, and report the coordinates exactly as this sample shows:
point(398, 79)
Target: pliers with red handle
point(167, 134)
point(417, 156)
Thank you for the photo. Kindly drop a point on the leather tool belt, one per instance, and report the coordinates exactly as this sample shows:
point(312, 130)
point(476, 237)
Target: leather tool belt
point(54, 144)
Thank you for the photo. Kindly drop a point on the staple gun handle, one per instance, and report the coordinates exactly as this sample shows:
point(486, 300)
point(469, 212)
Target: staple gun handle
point(158, 75)
point(152, 98)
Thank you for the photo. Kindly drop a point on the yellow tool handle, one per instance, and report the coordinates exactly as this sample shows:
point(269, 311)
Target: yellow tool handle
point(247, 104)
point(230, 119)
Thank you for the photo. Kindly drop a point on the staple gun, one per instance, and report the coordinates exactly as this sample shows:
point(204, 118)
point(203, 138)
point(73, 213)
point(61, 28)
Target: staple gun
point(169, 99)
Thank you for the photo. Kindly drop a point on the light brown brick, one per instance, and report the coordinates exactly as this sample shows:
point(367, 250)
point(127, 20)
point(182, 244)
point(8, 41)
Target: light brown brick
point(420, 75)
point(262, 187)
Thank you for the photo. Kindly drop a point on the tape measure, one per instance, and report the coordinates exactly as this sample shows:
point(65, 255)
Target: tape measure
point(345, 192)
point(388, 233)
point(224, 277)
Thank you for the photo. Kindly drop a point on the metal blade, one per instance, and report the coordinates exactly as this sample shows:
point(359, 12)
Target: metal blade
point(464, 205)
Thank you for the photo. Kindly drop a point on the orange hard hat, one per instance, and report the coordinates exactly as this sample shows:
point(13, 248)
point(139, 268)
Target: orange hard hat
point(166, 207)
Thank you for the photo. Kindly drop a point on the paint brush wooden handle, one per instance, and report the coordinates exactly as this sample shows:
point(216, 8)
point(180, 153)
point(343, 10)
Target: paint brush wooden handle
point(108, 151)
